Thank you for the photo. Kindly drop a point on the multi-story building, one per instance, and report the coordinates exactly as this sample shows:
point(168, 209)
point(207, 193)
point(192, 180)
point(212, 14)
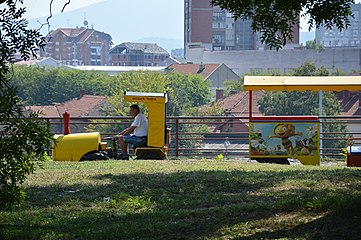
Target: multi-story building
point(138, 54)
point(216, 29)
point(78, 46)
point(349, 37)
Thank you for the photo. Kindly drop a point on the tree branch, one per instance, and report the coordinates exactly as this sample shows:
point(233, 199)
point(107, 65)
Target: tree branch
point(62, 10)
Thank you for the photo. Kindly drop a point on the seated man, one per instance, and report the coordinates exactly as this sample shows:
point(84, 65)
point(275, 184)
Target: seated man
point(136, 134)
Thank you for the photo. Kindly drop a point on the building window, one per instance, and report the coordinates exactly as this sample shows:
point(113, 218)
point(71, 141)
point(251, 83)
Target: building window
point(219, 25)
point(218, 38)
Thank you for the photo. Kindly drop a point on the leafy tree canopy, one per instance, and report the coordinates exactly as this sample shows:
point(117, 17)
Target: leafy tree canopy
point(313, 45)
point(43, 86)
point(299, 103)
point(23, 141)
point(275, 19)
point(185, 93)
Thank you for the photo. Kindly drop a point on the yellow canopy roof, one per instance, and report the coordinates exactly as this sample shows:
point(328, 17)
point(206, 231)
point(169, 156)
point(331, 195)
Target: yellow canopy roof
point(302, 83)
point(146, 97)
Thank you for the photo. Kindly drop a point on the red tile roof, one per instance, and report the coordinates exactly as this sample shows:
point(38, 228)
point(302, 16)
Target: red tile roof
point(204, 69)
point(49, 111)
point(237, 104)
point(86, 35)
point(349, 102)
point(80, 34)
point(76, 107)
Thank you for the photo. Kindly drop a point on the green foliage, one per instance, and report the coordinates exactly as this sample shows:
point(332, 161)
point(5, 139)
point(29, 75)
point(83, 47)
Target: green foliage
point(45, 85)
point(236, 86)
point(137, 81)
point(300, 103)
point(214, 109)
point(233, 86)
point(297, 103)
point(309, 69)
point(186, 92)
point(313, 45)
point(275, 19)
point(23, 141)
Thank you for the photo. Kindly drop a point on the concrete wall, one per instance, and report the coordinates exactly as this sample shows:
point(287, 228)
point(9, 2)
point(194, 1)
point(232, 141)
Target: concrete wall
point(246, 61)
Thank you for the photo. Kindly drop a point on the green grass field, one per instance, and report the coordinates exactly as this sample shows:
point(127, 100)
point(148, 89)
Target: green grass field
point(184, 199)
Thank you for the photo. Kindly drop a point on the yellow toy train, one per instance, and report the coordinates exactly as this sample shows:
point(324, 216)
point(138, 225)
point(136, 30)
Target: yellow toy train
point(88, 146)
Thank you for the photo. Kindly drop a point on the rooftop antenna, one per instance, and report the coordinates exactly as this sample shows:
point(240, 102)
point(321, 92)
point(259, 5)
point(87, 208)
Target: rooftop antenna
point(85, 21)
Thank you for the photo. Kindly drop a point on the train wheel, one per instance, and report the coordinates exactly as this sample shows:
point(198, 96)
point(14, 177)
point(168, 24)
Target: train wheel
point(93, 156)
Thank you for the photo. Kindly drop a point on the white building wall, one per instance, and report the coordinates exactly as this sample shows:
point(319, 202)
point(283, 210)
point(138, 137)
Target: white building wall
point(246, 61)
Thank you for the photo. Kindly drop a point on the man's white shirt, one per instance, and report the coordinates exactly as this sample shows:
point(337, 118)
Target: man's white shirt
point(141, 124)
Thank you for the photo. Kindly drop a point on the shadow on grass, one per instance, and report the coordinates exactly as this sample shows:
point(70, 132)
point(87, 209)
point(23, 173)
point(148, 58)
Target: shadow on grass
point(199, 204)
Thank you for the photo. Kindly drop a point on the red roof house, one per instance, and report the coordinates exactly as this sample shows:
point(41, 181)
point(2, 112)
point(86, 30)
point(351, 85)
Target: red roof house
point(85, 105)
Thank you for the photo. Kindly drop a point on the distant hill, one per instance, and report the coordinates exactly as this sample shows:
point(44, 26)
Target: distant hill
point(125, 22)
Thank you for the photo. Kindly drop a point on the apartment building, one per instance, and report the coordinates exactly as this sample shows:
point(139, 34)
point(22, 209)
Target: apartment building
point(215, 29)
point(138, 54)
point(78, 46)
point(349, 37)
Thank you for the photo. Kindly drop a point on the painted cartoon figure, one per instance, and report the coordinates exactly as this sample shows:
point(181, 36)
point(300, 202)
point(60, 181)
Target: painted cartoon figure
point(284, 131)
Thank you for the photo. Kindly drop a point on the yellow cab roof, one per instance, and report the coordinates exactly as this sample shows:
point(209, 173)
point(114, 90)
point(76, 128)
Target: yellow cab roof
point(145, 97)
point(302, 83)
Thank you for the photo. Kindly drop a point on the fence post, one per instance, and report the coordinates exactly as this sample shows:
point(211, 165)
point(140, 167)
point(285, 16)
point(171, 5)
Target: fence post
point(177, 137)
point(66, 117)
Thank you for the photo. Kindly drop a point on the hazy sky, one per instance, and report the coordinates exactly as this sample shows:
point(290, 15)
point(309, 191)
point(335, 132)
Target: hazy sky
point(124, 20)
point(173, 8)
point(40, 8)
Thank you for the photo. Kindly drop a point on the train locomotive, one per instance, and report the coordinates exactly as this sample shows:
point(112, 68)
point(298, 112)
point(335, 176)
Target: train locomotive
point(89, 146)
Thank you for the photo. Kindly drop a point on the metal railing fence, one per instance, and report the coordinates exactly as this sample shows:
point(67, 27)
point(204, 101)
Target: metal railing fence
point(209, 136)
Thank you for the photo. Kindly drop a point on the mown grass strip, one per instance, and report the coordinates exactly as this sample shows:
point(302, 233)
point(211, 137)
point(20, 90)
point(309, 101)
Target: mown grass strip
point(187, 200)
